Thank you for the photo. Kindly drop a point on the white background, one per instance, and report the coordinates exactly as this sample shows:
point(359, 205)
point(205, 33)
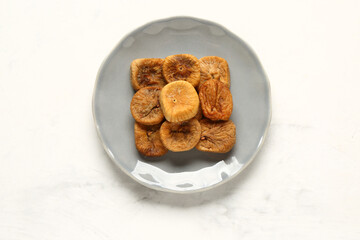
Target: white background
point(56, 181)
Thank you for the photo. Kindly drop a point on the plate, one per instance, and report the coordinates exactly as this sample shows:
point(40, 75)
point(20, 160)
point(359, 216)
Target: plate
point(193, 170)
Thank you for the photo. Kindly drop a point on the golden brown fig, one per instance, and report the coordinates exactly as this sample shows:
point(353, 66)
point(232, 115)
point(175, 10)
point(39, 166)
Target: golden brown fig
point(147, 140)
point(213, 67)
point(217, 137)
point(179, 101)
point(182, 136)
point(183, 67)
point(216, 100)
point(145, 106)
point(147, 72)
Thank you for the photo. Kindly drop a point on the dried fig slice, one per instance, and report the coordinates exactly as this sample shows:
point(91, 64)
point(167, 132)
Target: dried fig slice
point(216, 100)
point(179, 101)
point(182, 136)
point(145, 106)
point(147, 72)
point(217, 137)
point(212, 67)
point(147, 140)
point(184, 67)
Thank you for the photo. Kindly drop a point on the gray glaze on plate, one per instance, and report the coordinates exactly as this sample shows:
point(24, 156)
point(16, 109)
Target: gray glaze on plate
point(193, 170)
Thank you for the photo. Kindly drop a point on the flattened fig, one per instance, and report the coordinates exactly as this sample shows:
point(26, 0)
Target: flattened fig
point(216, 100)
point(147, 72)
point(145, 106)
point(147, 140)
point(181, 136)
point(217, 137)
point(183, 67)
point(179, 101)
point(212, 67)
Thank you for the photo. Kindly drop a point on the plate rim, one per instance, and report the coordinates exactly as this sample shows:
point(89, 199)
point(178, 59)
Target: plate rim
point(154, 187)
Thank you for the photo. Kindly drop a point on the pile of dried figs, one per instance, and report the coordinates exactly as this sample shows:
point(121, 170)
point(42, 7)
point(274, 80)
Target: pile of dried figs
point(193, 95)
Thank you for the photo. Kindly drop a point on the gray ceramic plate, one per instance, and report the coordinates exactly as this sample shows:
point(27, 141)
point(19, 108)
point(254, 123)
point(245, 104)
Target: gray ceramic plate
point(193, 170)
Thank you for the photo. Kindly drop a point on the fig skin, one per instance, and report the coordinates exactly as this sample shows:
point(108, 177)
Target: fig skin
point(147, 140)
point(183, 67)
point(216, 137)
point(182, 136)
point(199, 114)
point(147, 72)
point(145, 106)
point(213, 67)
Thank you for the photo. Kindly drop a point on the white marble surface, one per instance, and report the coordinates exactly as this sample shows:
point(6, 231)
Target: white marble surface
point(56, 182)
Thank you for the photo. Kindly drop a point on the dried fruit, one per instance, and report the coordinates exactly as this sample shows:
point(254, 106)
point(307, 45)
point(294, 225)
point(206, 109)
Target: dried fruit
point(217, 137)
point(184, 67)
point(179, 101)
point(182, 136)
point(145, 106)
point(216, 100)
point(213, 67)
point(147, 72)
point(147, 140)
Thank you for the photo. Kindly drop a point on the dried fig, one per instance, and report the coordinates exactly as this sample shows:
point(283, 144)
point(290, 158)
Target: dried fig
point(147, 72)
point(182, 136)
point(216, 100)
point(147, 140)
point(184, 67)
point(145, 106)
point(217, 137)
point(179, 101)
point(213, 67)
